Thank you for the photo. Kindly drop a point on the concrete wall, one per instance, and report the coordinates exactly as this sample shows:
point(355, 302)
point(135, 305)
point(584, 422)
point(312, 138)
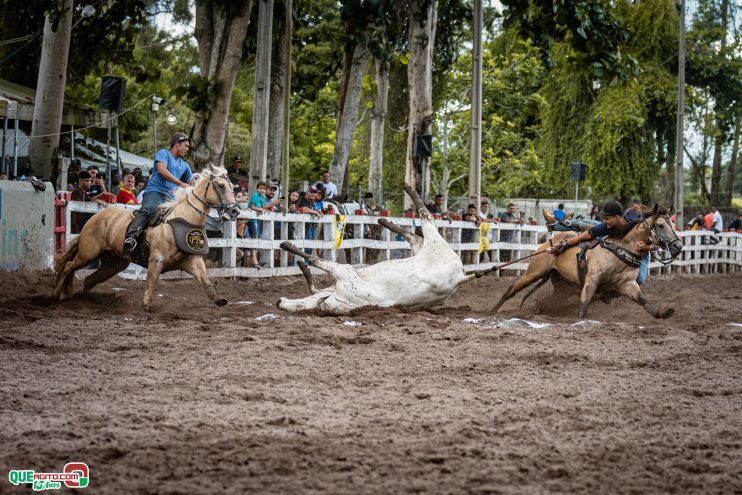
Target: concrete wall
point(26, 226)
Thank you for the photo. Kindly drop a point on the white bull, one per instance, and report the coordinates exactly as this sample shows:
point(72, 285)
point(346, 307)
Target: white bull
point(426, 279)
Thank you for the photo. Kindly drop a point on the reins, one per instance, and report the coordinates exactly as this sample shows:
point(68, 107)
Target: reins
point(221, 207)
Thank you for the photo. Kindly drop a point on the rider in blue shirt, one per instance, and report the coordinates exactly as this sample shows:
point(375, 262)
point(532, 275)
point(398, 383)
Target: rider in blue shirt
point(615, 223)
point(169, 173)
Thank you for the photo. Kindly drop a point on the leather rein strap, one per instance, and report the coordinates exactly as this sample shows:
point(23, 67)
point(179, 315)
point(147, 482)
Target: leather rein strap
point(632, 259)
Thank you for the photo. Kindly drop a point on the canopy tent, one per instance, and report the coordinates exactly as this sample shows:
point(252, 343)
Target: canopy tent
point(92, 152)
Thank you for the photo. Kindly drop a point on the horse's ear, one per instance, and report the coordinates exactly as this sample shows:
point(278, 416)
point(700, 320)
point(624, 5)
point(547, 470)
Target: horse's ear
point(669, 211)
point(655, 209)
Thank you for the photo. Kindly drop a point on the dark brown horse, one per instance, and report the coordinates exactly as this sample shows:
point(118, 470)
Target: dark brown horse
point(103, 236)
point(605, 270)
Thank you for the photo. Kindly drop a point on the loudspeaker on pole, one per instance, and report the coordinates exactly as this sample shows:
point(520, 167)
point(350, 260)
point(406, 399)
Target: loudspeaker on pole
point(112, 91)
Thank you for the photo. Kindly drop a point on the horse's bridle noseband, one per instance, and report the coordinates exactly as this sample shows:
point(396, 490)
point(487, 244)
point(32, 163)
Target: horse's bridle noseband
point(664, 255)
point(220, 208)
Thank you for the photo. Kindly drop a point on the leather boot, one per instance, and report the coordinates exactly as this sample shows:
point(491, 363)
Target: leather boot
point(135, 229)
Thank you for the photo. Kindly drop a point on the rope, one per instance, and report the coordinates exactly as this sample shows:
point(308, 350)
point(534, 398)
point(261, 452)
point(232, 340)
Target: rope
point(97, 123)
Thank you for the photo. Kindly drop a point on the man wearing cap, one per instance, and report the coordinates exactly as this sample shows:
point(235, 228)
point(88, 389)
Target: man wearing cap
point(169, 173)
point(236, 174)
point(616, 223)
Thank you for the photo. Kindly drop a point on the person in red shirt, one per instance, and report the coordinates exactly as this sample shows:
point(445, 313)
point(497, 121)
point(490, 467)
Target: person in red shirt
point(126, 193)
point(708, 220)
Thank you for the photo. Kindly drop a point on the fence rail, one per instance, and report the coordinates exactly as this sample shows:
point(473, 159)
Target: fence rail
point(360, 240)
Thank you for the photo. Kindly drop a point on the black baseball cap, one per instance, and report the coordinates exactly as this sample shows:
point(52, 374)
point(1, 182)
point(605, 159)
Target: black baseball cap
point(178, 137)
point(611, 208)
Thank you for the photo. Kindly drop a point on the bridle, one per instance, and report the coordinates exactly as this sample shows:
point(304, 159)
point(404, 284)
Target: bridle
point(221, 207)
point(664, 254)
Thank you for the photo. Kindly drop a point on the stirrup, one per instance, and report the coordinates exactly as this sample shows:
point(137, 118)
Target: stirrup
point(130, 244)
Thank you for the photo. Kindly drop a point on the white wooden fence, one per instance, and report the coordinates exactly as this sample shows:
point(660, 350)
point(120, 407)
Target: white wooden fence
point(363, 241)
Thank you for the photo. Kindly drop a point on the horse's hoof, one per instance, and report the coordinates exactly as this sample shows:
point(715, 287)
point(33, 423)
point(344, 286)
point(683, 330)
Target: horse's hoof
point(220, 301)
point(665, 312)
point(145, 308)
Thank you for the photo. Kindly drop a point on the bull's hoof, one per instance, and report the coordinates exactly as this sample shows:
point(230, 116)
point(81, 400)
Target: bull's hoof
point(145, 308)
point(54, 299)
point(220, 301)
point(665, 312)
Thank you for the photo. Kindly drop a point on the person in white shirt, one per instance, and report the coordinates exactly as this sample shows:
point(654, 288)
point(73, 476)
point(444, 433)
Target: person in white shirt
point(331, 190)
point(718, 224)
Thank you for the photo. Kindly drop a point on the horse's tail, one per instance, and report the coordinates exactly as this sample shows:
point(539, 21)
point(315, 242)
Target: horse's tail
point(69, 254)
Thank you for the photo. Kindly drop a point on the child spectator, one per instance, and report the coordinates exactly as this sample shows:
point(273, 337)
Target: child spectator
point(559, 213)
point(470, 235)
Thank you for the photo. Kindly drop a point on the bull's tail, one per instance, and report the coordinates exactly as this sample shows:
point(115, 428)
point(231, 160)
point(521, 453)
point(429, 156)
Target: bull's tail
point(69, 254)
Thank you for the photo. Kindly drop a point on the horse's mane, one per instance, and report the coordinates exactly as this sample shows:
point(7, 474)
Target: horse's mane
point(648, 211)
point(208, 171)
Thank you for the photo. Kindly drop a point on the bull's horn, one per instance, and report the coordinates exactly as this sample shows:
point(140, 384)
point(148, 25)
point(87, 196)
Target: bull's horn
point(415, 197)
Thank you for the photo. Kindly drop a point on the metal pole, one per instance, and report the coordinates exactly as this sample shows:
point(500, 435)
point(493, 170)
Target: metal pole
point(154, 129)
point(15, 147)
point(118, 154)
point(679, 179)
point(577, 192)
point(108, 148)
point(3, 165)
point(475, 126)
point(286, 101)
point(72, 144)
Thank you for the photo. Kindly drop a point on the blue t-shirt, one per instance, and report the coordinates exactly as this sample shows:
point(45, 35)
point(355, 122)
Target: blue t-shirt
point(257, 200)
point(175, 165)
point(559, 214)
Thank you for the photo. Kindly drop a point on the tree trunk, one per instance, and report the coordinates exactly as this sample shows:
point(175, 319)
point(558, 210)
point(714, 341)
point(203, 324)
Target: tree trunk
point(732, 164)
point(220, 33)
point(716, 166)
point(261, 98)
point(49, 104)
point(720, 137)
point(668, 178)
point(420, 80)
point(378, 120)
point(347, 123)
point(275, 122)
point(443, 188)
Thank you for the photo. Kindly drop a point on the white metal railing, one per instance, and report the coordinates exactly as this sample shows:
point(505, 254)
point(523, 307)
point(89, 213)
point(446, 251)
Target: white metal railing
point(366, 242)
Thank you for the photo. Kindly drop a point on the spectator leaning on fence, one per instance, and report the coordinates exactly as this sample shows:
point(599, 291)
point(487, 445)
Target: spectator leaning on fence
point(126, 192)
point(308, 204)
point(469, 235)
point(80, 193)
point(736, 224)
point(508, 216)
point(437, 207)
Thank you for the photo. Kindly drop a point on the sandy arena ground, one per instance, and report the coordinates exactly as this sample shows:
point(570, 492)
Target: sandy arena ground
point(198, 399)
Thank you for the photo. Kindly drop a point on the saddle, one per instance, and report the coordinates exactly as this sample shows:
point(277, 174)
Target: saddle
point(631, 259)
point(189, 238)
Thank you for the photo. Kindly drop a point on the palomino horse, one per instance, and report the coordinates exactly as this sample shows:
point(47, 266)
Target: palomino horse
point(604, 269)
point(103, 237)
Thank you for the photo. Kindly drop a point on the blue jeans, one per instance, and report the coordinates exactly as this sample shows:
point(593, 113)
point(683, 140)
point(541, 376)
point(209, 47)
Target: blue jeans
point(310, 235)
point(643, 270)
point(558, 227)
point(151, 201)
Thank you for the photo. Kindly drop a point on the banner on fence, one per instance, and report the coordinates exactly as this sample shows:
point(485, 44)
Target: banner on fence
point(26, 226)
point(484, 237)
